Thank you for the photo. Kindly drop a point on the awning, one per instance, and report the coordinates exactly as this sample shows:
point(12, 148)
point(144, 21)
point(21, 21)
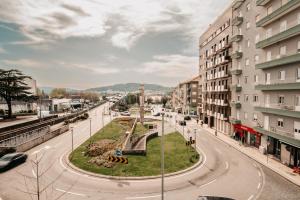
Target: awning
point(245, 128)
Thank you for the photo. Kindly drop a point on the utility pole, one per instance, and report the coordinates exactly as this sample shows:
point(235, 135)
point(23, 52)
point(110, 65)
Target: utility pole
point(162, 157)
point(90, 127)
point(72, 135)
point(37, 180)
point(102, 119)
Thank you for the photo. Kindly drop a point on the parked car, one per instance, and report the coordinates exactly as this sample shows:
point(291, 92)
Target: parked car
point(213, 198)
point(11, 160)
point(125, 113)
point(182, 123)
point(187, 117)
point(156, 115)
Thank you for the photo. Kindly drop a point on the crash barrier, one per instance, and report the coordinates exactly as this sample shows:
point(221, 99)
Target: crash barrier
point(28, 140)
point(128, 142)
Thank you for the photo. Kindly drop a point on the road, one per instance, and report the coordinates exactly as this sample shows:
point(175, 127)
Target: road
point(224, 172)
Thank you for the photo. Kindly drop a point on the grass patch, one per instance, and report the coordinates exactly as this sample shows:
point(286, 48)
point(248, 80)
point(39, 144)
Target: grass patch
point(140, 129)
point(177, 155)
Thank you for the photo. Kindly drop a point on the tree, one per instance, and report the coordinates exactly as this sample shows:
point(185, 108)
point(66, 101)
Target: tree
point(59, 93)
point(164, 101)
point(13, 87)
point(149, 100)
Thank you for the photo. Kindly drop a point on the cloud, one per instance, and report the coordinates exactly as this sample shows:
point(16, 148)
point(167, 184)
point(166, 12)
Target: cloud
point(2, 50)
point(48, 20)
point(175, 66)
point(23, 63)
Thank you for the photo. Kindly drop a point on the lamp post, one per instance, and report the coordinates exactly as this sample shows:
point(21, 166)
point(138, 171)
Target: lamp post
point(162, 157)
point(90, 127)
point(72, 137)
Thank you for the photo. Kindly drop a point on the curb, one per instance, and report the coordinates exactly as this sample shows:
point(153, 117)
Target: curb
point(67, 161)
point(262, 163)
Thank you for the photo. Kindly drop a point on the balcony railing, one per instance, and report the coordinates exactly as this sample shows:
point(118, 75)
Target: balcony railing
point(283, 10)
point(279, 86)
point(280, 109)
point(236, 104)
point(291, 32)
point(237, 21)
point(285, 60)
point(234, 121)
point(262, 2)
point(236, 55)
point(237, 38)
point(237, 3)
point(236, 88)
point(236, 71)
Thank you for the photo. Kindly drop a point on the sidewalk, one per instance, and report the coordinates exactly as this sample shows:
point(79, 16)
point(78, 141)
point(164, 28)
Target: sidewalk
point(253, 153)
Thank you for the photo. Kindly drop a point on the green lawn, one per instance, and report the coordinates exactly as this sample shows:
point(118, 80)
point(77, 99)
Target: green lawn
point(140, 129)
point(177, 155)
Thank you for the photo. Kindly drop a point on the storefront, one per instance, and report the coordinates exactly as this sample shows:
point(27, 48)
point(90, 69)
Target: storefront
point(247, 135)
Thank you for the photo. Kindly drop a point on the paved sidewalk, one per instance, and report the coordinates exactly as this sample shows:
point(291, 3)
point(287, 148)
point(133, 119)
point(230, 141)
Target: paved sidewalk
point(253, 153)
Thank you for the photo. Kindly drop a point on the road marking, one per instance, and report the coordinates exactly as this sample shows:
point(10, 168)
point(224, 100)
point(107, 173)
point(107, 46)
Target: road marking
point(44, 148)
point(34, 173)
point(226, 165)
point(218, 150)
point(251, 197)
point(144, 197)
point(259, 174)
point(255, 165)
point(73, 193)
point(201, 186)
point(258, 186)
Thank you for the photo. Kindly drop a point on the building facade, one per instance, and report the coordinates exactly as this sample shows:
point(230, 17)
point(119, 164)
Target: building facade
point(214, 68)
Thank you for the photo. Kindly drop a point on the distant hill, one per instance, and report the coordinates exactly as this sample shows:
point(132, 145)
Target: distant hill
point(131, 87)
point(47, 90)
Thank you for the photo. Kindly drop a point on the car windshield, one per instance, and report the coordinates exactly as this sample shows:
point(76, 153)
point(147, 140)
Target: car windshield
point(7, 157)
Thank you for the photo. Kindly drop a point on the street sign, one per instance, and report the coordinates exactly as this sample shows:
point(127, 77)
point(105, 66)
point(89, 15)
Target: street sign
point(118, 159)
point(189, 143)
point(118, 152)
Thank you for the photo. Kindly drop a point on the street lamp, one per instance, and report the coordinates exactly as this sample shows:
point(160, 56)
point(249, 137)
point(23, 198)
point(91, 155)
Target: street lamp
point(162, 156)
point(72, 137)
point(90, 127)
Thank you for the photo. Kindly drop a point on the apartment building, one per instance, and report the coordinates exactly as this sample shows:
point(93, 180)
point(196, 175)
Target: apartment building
point(185, 96)
point(214, 68)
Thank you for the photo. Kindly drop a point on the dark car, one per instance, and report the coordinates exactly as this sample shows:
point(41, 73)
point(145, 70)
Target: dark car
point(156, 115)
point(213, 198)
point(182, 123)
point(11, 160)
point(187, 117)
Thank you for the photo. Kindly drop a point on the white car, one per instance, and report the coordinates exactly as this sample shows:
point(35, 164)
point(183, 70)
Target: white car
point(126, 113)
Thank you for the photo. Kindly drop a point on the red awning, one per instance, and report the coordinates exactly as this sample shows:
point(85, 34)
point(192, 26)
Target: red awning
point(245, 128)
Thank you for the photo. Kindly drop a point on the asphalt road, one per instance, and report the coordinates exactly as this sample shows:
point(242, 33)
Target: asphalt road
point(224, 172)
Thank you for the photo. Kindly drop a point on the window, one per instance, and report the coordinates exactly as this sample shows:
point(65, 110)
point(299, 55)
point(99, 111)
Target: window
point(254, 117)
point(298, 74)
point(269, 55)
point(240, 14)
point(248, 43)
point(282, 75)
point(282, 50)
point(298, 18)
point(298, 46)
point(239, 65)
point(248, 25)
point(269, 33)
point(256, 58)
point(247, 61)
point(246, 115)
point(255, 78)
point(257, 18)
point(257, 38)
point(246, 98)
point(238, 98)
point(255, 98)
point(246, 79)
point(248, 6)
point(269, 10)
point(239, 48)
point(240, 31)
point(280, 122)
point(281, 99)
point(238, 114)
point(283, 26)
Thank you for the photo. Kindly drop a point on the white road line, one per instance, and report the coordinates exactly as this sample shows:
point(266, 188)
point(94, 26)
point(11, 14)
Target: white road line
point(207, 183)
point(44, 148)
point(259, 174)
point(226, 165)
point(77, 194)
point(144, 197)
point(258, 187)
point(251, 197)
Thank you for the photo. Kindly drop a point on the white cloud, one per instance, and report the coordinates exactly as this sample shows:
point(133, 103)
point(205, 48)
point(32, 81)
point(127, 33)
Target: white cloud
point(48, 20)
point(98, 68)
point(29, 63)
point(175, 66)
point(2, 50)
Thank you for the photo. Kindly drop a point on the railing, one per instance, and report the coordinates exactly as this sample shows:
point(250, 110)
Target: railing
point(281, 106)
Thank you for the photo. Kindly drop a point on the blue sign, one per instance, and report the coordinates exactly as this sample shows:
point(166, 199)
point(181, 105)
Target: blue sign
point(118, 152)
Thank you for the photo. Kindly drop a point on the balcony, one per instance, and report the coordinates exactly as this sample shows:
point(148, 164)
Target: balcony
point(236, 71)
point(283, 10)
point(278, 135)
point(236, 104)
point(278, 86)
point(237, 38)
point(235, 121)
point(279, 62)
point(237, 21)
point(262, 2)
point(236, 55)
point(236, 88)
point(237, 3)
point(282, 110)
point(291, 32)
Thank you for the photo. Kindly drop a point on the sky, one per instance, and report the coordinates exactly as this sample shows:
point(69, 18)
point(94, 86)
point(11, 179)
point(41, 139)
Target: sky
point(89, 43)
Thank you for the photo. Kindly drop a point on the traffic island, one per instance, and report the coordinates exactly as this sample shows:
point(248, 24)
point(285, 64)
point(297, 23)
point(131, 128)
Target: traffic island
point(104, 161)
